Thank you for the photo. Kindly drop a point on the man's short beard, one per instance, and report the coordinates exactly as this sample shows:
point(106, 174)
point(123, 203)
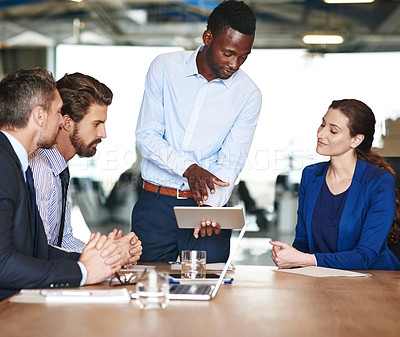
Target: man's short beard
point(82, 150)
point(211, 63)
point(47, 143)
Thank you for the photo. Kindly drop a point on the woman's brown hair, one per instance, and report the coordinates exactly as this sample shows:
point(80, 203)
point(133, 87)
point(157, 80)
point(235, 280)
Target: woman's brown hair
point(362, 121)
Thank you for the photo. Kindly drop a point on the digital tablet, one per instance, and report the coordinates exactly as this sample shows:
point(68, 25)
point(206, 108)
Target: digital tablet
point(225, 217)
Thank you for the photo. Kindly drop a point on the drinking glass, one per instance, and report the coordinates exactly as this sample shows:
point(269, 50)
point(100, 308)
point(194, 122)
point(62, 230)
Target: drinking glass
point(193, 264)
point(152, 290)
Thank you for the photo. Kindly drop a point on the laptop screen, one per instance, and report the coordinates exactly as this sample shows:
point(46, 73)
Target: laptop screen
point(228, 263)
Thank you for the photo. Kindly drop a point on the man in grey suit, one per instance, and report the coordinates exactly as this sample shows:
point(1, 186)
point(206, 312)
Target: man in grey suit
point(30, 118)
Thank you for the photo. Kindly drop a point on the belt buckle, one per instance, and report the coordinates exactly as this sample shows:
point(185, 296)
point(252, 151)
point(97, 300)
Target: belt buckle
point(177, 195)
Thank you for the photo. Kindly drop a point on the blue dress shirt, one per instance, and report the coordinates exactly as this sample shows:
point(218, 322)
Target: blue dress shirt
point(185, 119)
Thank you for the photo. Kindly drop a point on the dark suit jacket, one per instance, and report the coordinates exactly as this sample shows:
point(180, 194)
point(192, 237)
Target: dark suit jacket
point(365, 222)
point(24, 264)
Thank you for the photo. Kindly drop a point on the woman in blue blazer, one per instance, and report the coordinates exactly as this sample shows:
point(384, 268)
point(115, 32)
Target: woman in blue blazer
point(347, 207)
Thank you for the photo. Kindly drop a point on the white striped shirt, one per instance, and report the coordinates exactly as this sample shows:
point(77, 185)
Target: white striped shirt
point(46, 165)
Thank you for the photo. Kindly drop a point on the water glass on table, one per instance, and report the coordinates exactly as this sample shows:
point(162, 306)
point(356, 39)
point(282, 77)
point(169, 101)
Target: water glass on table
point(193, 263)
point(152, 290)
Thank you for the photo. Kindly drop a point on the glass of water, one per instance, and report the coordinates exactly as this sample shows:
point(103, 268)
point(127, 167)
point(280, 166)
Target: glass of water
point(152, 290)
point(193, 263)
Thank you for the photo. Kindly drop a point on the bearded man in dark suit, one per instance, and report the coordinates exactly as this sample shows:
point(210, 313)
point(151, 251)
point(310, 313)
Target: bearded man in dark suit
point(30, 118)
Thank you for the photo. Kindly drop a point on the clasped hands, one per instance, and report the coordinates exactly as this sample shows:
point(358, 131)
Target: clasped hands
point(105, 255)
point(199, 180)
point(286, 256)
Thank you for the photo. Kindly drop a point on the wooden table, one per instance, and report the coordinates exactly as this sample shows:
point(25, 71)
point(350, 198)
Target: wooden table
point(260, 302)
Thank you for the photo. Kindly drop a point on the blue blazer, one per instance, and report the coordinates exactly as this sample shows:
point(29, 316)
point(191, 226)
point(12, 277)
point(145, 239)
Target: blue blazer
point(365, 223)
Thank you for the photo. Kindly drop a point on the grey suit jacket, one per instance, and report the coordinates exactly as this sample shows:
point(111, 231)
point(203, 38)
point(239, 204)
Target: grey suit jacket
point(23, 263)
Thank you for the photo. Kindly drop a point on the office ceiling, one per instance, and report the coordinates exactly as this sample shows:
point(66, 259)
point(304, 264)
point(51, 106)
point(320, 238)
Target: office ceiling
point(280, 23)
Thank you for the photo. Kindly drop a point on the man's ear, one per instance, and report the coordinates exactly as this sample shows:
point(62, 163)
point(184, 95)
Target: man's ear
point(67, 123)
point(357, 140)
point(207, 38)
point(38, 115)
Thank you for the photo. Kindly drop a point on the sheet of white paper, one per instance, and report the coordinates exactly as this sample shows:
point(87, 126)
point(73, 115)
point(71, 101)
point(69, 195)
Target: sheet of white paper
point(28, 296)
point(209, 266)
point(72, 296)
point(140, 267)
point(322, 272)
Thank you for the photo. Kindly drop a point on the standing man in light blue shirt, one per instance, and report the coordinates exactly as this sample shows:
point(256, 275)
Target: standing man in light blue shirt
point(196, 124)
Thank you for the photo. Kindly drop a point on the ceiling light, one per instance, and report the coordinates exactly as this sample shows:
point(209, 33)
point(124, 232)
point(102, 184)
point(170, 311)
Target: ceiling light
point(348, 1)
point(322, 39)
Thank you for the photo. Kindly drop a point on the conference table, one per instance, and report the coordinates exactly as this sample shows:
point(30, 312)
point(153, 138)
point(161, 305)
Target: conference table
point(260, 302)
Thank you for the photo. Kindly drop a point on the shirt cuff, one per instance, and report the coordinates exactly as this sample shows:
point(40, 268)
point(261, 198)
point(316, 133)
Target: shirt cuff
point(84, 273)
point(315, 260)
point(220, 197)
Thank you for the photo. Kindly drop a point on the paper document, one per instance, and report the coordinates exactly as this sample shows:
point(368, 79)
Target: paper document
point(72, 296)
point(322, 272)
point(140, 267)
point(209, 266)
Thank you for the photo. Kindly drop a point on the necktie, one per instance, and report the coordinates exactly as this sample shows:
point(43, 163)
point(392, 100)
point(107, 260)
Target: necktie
point(32, 200)
point(64, 176)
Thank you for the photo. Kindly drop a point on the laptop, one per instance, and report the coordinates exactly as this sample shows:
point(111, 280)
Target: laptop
point(203, 292)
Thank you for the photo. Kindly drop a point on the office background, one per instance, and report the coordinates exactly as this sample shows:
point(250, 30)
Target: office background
point(115, 42)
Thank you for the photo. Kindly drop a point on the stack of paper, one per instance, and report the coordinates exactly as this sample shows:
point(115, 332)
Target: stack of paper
point(140, 267)
point(209, 266)
point(323, 272)
point(72, 296)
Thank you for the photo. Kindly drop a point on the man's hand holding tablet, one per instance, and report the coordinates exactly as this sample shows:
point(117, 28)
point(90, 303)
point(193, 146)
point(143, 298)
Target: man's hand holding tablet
point(209, 220)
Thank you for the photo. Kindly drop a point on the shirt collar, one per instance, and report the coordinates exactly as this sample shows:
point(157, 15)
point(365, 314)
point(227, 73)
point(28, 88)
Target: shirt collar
point(54, 158)
point(19, 151)
point(191, 65)
point(191, 68)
